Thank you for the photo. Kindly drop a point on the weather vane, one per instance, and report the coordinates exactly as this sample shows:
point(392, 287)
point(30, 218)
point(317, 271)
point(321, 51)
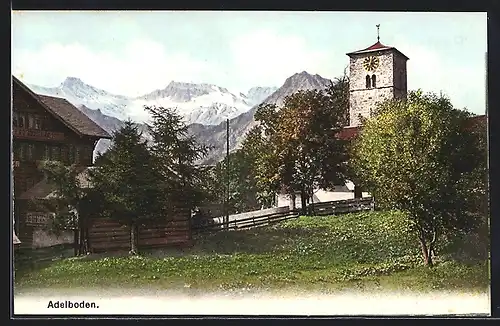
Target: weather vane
point(378, 32)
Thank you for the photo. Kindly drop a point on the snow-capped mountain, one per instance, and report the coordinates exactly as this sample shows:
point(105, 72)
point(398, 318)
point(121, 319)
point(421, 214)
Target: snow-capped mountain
point(257, 95)
point(198, 103)
point(79, 93)
point(205, 107)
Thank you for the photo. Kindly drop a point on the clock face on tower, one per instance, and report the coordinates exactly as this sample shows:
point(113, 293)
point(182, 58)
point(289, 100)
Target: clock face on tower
point(370, 63)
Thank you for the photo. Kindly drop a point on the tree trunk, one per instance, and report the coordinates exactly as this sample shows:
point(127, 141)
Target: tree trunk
point(86, 241)
point(312, 212)
point(75, 241)
point(427, 250)
point(293, 199)
point(425, 253)
point(358, 192)
point(303, 202)
point(133, 239)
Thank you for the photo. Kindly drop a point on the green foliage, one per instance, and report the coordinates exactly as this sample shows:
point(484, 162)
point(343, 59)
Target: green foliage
point(175, 153)
point(418, 156)
point(303, 152)
point(126, 179)
point(67, 196)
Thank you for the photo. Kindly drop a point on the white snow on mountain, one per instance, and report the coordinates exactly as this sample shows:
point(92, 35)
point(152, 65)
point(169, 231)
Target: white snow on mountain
point(204, 104)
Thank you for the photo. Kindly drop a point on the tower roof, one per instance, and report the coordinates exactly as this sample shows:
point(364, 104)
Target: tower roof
point(375, 48)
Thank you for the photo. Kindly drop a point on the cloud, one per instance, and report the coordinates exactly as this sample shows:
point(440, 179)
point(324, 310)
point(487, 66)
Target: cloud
point(140, 67)
point(264, 57)
point(461, 81)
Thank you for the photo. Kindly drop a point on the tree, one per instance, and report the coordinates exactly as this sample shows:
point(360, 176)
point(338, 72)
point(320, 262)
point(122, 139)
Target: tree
point(128, 182)
point(73, 204)
point(175, 154)
point(416, 155)
point(304, 152)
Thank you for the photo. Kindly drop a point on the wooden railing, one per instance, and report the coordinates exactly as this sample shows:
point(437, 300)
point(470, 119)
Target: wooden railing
point(35, 134)
point(339, 207)
point(249, 222)
point(320, 209)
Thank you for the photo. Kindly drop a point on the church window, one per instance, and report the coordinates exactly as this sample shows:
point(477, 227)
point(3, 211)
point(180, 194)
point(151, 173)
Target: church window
point(15, 118)
point(374, 81)
point(368, 81)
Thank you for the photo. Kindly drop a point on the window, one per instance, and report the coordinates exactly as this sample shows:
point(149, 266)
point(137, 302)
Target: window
point(374, 81)
point(31, 121)
point(368, 81)
point(21, 121)
point(15, 118)
point(22, 151)
point(56, 153)
point(46, 155)
point(71, 154)
point(78, 153)
point(16, 151)
point(31, 152)
point(38, 123)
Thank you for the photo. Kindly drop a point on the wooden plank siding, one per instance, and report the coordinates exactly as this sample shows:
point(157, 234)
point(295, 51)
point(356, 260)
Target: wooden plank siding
point(108, 235)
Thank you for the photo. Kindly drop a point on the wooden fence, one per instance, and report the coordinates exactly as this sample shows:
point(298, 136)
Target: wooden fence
point(339, 207)
point(284, 213)
point(248, 222)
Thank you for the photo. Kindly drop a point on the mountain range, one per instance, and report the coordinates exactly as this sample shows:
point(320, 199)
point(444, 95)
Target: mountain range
point(205, 107)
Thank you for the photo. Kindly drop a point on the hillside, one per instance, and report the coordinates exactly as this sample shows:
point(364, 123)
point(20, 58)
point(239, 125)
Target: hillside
point(370, 250)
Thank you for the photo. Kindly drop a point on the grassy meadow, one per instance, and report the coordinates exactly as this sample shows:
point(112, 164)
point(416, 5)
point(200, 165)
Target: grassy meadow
point(362, 251)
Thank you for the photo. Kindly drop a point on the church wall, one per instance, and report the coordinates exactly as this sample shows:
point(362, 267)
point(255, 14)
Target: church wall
point(384, 72)
point(362, 100)
point(400, 76)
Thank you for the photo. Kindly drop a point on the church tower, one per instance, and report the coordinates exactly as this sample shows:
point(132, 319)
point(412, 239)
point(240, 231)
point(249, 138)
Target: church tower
point(375, 74)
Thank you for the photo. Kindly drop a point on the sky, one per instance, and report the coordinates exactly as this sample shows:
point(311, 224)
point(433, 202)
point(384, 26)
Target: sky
point(133, 53)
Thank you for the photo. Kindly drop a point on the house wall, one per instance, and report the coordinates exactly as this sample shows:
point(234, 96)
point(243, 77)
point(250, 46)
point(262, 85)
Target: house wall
point(43, 238)
point(38, 136)
point(321, 196)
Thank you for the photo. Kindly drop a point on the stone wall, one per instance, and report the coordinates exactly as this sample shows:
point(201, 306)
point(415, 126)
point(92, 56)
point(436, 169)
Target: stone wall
point(391, 82)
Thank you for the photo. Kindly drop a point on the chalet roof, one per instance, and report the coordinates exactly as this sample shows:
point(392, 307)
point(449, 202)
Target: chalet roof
point(377, 47)
point(67, 113)
point(46, 190)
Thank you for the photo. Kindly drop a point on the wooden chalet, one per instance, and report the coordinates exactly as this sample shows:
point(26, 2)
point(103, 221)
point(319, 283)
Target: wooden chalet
point(51, 128)
point(44, 128)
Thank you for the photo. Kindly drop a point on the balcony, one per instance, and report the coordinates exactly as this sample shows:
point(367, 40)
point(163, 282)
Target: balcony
point(34, 134)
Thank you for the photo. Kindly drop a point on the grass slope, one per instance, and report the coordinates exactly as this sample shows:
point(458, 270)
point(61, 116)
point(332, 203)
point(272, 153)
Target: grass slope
point(371, 250)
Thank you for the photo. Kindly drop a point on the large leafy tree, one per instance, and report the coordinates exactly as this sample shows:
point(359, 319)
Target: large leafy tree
point(419, 156)
point(128, 182)
point(304, 152)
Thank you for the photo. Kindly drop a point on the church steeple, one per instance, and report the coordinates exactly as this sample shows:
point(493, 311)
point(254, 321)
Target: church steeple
point(378, 32)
